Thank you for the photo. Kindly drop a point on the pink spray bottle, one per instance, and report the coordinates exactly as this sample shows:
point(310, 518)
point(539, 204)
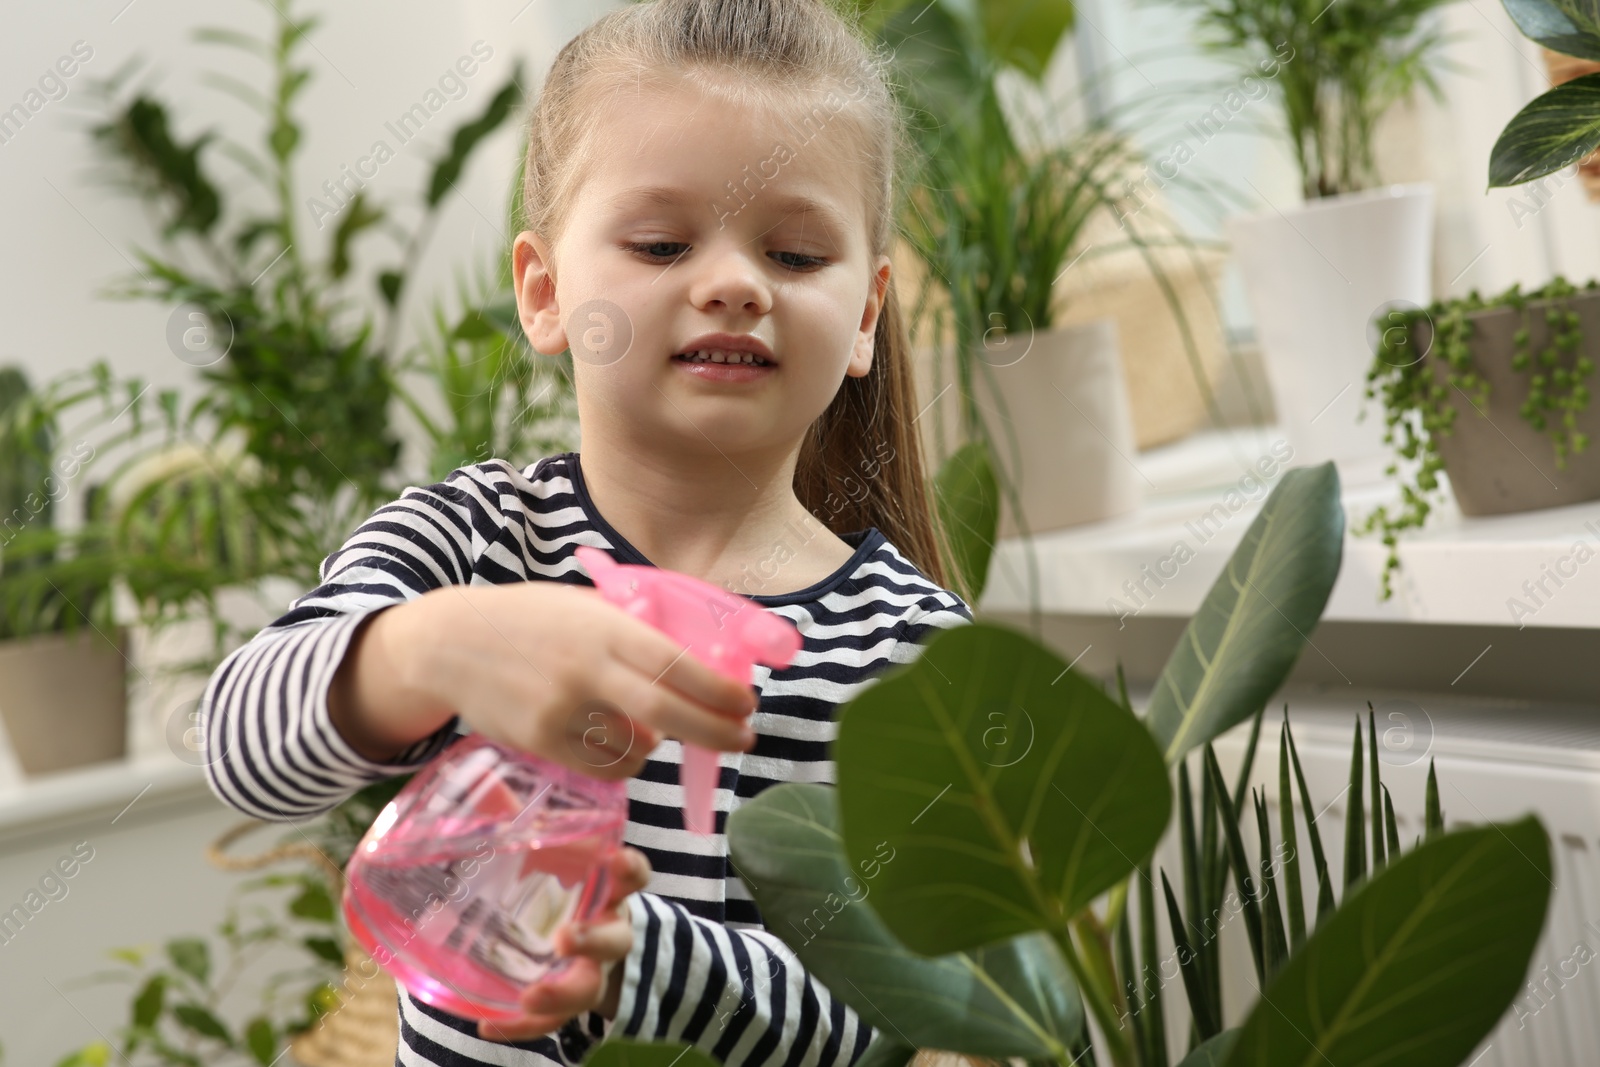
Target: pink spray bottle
point(727, 632)
point(458, 887)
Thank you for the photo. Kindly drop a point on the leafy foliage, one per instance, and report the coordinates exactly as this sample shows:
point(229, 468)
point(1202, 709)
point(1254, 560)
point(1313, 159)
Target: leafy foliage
point(1426, 356)
point(988, 795)
point(1337, 69)
point(1561, 126)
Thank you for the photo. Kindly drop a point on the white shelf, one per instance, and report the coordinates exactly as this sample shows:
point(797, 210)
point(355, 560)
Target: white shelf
point(113, 790)
point(1456, 570)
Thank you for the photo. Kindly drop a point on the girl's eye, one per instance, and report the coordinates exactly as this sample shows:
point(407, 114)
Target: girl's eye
point(652, 250)
point(649, 249)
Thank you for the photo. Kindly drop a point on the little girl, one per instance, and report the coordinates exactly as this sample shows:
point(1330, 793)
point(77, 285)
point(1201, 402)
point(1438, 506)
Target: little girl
point(710, 195)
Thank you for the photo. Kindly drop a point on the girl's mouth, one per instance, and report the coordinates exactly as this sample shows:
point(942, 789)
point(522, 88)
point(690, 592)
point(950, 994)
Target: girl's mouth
point(731, 371)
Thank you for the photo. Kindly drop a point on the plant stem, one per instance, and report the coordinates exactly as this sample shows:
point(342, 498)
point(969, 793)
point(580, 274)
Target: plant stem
point(1097, 984)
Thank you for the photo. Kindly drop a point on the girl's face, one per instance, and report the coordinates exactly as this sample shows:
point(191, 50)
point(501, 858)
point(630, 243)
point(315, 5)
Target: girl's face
point(696, 218)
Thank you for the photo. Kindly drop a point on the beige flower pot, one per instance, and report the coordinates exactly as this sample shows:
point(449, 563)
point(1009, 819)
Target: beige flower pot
point(64, 699)
point(1056, 406)
point(1497, 463)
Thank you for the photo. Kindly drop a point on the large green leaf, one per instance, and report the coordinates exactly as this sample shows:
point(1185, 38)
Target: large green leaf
point(1569, 26)
point(1012, 790)
point(968, 499)
point(1418, 964)
point(786, 845)
point(622, 1052)
point(1254, 622)
point(1555, 130)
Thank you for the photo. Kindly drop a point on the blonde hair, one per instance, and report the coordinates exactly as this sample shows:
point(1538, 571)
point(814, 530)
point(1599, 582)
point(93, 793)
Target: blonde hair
point(774, 53)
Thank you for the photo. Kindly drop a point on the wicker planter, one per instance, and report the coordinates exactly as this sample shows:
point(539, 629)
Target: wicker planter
point(64, 699)
point(1497, 463)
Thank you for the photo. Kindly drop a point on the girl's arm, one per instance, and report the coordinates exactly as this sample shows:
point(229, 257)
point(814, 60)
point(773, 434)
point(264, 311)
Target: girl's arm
point(273, 747)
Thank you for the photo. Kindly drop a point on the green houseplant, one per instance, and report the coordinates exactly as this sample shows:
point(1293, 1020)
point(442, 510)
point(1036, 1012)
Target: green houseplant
point(290, 438)
point(1517, 365)
point(1316, 272)
point(185, 1011)
point(1013, 793)
point(997, 212)
point(1559, 127)
point(61, 653)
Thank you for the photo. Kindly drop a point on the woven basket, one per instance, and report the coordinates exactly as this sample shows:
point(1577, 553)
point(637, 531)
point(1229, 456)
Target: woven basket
point(1564, 68)
point(364, 1030)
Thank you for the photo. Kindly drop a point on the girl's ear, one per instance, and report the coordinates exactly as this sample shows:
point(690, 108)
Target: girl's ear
point(535, 285)
point(861, 355)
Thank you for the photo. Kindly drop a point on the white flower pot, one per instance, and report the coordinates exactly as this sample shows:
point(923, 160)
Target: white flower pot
point(1315, 276)
point(1056, 407)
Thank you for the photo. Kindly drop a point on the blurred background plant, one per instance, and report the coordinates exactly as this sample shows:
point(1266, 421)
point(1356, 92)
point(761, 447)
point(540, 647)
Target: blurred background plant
point(1340, 67)
point(187, 1009)
point(291, 436)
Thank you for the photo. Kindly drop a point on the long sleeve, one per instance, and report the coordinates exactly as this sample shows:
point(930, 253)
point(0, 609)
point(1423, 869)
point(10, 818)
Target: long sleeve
point(739, 995)
point(271, 749)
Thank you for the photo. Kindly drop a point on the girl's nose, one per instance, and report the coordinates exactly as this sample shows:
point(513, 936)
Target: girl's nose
point(731, 277)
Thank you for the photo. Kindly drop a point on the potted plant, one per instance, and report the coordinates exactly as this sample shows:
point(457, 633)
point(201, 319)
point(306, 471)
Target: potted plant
point(980, 881)
point(1494, 393)
point(996, 213)
point(63, 684)
point(1315, 273)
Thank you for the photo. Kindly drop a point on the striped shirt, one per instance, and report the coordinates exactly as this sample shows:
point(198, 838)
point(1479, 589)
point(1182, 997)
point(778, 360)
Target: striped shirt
point(703, 969)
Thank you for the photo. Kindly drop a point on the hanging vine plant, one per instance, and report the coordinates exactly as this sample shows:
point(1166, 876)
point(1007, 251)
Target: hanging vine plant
point(1419, 400)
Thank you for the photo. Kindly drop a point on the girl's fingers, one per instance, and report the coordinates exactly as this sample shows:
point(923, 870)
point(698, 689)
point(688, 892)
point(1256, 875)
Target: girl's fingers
point(601, 941)
point(661, 659)
point(577, 989)
point(667, 711)
point(523, 1029)
point(630, 873)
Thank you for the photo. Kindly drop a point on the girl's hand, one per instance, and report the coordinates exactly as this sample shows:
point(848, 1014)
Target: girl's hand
point(545, 667)
point(550, 1002)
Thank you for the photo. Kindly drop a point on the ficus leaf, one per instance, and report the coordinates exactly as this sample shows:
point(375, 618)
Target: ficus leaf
point(1251, 627)
point(1014, 791)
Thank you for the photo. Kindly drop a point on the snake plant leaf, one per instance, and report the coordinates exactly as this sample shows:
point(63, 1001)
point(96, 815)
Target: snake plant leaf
point(1568, 26)
point(1325, 902)
point(1012, 789)
point(1212, 1053)
point(1554, 130)
point(1195, 983)
point(786, 845)
point(1239, 863)
point(968, 499)
point(1403, 972)
point(1355, 827)
point(1377, 786)
point(623, 1052)
point(1433, 817)
point(1253, 623)
point(1293, 898)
